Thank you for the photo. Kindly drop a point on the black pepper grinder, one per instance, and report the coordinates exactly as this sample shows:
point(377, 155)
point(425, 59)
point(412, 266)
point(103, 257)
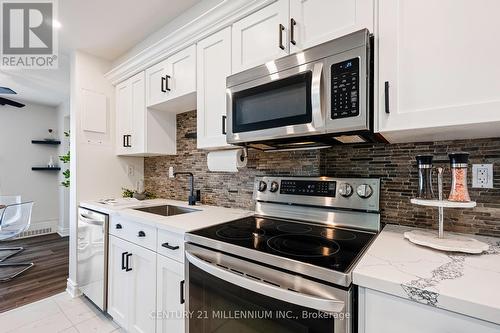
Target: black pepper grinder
point(424, 164)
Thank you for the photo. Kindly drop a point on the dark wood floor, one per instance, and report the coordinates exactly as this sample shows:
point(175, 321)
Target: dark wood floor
point(46, 278)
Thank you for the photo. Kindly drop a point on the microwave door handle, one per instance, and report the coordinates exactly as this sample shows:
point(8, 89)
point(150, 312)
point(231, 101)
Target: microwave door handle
point(318, 303)
point(317, 114)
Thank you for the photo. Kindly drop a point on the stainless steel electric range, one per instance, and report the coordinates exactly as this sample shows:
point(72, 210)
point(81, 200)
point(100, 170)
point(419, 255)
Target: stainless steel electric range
point(289, 267)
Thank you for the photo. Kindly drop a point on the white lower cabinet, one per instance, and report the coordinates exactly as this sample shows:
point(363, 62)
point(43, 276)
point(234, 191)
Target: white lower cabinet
point(380, 312)
point(170, 295)
point(132, 286)
point(145, 287)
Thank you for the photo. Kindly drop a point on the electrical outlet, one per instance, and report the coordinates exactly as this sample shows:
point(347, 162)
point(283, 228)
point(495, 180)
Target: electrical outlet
point(130, 170)
point(482, 175)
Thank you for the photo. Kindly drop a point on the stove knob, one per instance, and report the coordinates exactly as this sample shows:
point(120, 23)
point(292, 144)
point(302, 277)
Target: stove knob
point(274, 187)
point(262, 186)
point(345, 190)
point(364, 191)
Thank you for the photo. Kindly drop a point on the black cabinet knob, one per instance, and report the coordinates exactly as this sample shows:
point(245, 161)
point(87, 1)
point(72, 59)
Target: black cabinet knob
point(118, 226)
point(141, 234)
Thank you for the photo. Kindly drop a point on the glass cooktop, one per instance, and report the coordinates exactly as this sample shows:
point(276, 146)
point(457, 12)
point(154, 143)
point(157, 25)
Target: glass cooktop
point(327, 247)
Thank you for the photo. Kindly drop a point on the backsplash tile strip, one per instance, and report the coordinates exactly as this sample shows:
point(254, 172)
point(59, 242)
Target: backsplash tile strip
point(393, 163)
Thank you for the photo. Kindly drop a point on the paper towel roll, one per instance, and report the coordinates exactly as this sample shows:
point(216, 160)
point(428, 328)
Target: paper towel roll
point(226, 160)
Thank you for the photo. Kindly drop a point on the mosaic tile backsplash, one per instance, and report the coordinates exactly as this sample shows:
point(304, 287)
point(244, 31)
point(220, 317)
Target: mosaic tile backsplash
point(393, 163)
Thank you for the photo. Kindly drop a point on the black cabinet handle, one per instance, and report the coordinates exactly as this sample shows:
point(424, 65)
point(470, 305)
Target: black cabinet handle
point(181, 294)
point(118, 226)
point(123, 260)
point(293, 23)
point(163, 84)
point(128, 141)
point(280, 32)
point(170, 247)
point(387, 110)
point(124, 141)
point(167, 77)
point(127, 269)
point(224, 117)
point(141, 234)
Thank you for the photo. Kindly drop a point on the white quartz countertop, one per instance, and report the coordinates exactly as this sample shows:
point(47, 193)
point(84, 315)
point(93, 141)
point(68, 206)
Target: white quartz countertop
point(464, 283)
point(205, 216)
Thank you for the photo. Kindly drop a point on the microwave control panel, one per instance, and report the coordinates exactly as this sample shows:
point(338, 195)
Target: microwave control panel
point(345, 89)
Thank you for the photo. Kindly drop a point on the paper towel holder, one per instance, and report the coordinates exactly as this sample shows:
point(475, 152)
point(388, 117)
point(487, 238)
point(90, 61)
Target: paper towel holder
point(244, 156)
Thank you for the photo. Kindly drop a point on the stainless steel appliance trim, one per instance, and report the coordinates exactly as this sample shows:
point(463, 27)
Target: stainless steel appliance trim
point(316, 53)
point(318, 303)
point(305, 269)
point(100, 220)
point(292, 282)
point(317, 113)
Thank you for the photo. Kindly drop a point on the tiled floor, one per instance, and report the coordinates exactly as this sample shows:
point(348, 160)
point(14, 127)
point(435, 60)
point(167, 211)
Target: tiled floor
point(59, 313)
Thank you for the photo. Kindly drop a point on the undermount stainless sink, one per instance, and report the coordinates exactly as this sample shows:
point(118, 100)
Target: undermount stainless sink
point(167, 210)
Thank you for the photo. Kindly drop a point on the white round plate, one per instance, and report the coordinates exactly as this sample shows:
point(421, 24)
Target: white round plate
point(450, 242)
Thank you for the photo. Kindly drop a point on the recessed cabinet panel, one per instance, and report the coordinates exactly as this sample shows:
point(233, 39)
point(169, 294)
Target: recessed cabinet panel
point(261, 36)
point(170, 295)
point(213, 67)
point(313, 22)
point(435, 71)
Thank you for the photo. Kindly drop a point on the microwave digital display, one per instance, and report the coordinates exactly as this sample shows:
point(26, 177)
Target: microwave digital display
point(345, 89)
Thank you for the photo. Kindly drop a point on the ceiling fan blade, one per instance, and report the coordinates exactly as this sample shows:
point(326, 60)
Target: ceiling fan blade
point(5, 101)
point(5, 90)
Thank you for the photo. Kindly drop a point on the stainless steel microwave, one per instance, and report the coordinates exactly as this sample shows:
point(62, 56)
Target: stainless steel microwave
point(318, 97)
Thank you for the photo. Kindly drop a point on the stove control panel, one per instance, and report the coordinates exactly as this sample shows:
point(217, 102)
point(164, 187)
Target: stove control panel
point(346, 193)
point(308, 187)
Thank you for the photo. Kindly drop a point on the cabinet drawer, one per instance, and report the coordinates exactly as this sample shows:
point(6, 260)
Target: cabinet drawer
point(137, 233)
point(171, 245)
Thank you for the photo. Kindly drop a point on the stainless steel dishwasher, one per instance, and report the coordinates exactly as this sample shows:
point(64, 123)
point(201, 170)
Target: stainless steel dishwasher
point(92, 256)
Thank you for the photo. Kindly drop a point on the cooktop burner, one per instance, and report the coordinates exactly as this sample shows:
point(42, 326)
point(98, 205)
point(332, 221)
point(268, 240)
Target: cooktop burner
point(328, 247)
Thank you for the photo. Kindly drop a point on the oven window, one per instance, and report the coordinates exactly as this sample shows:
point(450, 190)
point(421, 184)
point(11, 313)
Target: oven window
point(217, 306)
point(275, 104)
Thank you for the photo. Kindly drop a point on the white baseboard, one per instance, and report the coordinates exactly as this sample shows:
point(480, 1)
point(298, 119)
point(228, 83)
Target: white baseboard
point(72, 289)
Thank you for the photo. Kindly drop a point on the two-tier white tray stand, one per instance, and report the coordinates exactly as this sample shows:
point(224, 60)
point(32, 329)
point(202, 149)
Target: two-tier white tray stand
point(437, 240)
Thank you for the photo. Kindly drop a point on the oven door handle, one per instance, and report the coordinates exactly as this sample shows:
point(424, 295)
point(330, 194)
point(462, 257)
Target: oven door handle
point(317, 114)
point(317, 303)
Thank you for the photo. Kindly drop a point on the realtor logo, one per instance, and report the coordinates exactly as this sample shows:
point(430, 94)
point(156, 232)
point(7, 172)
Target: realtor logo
point(29, 39)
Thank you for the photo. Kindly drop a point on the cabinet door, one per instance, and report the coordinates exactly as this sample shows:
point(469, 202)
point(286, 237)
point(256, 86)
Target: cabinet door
point(213, 67)
point(182, 72)
point(142, 289)
point(314, 22)
point(118, 281)
point(256, 38)
point(138, 114)
point(170, 293)
point(440, 72)
point(123, 117)
point(156, 84)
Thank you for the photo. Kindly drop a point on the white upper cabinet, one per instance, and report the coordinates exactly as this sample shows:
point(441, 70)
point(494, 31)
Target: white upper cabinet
point(439, 62)
point(314, 22)
point(130, 115)
point(261, 36)
point(213, 67)
point(171, 84)
point(139, 131)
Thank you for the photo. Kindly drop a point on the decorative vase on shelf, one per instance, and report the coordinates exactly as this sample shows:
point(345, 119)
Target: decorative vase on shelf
point(50, 137)
point(51, 163)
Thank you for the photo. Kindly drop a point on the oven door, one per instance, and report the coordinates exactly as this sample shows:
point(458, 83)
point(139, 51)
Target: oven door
point(283, 104)
point(225, 294)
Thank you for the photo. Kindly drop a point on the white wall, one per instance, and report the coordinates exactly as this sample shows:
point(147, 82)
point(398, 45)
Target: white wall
point(63, 123)
point(96, 172)
point(17, 155)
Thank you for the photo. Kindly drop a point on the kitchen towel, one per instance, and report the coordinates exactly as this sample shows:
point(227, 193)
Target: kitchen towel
point(227, 160)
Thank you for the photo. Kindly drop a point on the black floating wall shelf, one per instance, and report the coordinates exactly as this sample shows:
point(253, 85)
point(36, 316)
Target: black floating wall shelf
point(45, 168)
point(46, 142)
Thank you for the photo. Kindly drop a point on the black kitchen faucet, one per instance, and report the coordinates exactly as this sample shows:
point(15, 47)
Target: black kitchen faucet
point(192, 197)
